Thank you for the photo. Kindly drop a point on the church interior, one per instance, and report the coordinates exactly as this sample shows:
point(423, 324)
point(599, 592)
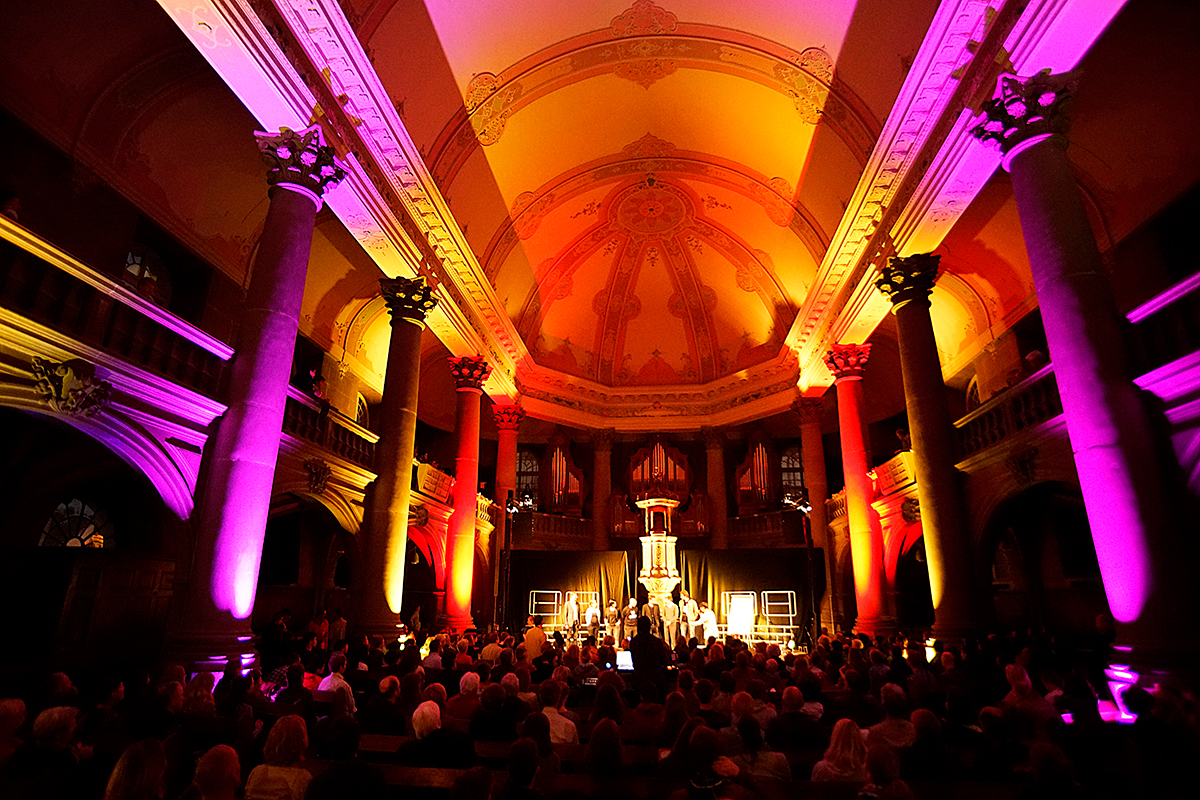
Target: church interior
point(884, 316)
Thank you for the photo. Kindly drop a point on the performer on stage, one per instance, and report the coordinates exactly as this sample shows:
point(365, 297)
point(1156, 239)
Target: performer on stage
point(708, 623)
point(571, 618)
point(654, 613)
point(629, 619)
point(612, 621)
point(591, 618)
point(691, 617)
point(670, 622)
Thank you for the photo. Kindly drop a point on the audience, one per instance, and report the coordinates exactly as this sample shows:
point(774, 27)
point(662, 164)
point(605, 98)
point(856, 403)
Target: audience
point(278, 777)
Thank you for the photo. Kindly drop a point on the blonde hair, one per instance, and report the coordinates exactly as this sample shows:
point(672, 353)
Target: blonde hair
point(287, 742)
point(138, 774)
point(846, 750)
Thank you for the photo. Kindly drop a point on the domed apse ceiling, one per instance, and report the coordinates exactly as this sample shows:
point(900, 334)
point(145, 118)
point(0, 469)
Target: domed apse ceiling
point(649, 189)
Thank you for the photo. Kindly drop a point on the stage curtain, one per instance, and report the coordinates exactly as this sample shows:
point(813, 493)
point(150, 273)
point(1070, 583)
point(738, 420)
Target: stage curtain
point(708, 573)
point(567, 571)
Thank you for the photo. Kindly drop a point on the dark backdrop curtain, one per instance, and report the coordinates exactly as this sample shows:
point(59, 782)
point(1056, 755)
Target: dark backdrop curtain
point(708, 573)
point(566, 571)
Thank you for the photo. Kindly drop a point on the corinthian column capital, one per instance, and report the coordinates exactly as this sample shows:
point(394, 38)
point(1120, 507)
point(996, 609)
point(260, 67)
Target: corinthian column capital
point(469, 372)
point(409, 299)
point(300, 161)
point(1026, 111)
point(907, 278)
point(508, 418)
point(848, 361)
point(809, 409)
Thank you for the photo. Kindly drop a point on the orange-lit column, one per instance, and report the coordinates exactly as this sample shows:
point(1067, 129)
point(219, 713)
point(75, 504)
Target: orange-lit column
point(602, 442)
point(847, 363)
point(469, 374)
point(718, 524)
point(233, 514)
point(1145, 550)
point(907, 282)
point(812, 454)
point(385, 529)
point(508, 421)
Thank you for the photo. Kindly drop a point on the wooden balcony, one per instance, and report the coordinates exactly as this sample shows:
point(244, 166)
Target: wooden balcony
point(305, 418)
point(1032, 401)
point(50, 287)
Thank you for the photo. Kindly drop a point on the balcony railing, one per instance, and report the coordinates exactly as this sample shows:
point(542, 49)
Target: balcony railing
point(836, 506)
point(304, 418)
point(43, 283)
point(536, 525)
point(1032, 401)
point(1167, 327)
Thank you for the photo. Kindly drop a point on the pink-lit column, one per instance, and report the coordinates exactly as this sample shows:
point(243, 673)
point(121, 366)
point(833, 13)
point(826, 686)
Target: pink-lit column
point(224, 573)
point(1139, 541)
point(469, 375)
point(508, 422)
point(908, 282)
point(847, 362)
point(602, 442)
point(718, 524)
point(812, 454)
point(385, 529)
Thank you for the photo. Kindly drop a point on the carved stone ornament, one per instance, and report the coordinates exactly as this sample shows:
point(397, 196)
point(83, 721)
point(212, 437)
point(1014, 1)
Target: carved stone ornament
point(809, 409)
point(319, 474)
point(1026, 107)
point(71, 387)
point(418, 516)
point(848, 361)
point(407, 298)
point(508, 418)
point(469, 371)
point(910, 510)
point(1023, 465)
point(906, 278)
point(299, 158)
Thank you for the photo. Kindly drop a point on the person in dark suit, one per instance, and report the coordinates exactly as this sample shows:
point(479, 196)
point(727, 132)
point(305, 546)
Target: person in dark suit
point(653, 612)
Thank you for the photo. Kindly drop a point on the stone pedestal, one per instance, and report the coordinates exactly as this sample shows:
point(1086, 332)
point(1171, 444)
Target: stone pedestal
point(1146, 553)
point(847, 363)
point(223, 577)
point(380, 594)
point(659, 572)
point(907, 282)
point(469, 375)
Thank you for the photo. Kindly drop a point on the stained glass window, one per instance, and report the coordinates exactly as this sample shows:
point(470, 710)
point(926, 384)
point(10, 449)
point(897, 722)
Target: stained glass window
point(77, 524)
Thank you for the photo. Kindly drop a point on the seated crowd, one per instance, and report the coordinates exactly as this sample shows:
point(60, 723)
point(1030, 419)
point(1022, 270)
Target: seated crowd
point(481, 717)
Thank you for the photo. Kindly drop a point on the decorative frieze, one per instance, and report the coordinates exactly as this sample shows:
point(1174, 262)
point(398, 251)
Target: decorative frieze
point(71, 387)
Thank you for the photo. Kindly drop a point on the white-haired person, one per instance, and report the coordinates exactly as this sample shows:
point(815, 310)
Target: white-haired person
point(434, 746)
point(465, 705)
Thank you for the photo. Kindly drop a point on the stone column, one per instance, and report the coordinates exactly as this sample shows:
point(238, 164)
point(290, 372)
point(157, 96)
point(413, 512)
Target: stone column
point(223, 577)
point(602, 442)
point(469, 374)
point(1145, 551)
point(508, 420)
point(385, 532)
point(847, 363)
point(812, 454)
point(714, 449)
point(907, 282)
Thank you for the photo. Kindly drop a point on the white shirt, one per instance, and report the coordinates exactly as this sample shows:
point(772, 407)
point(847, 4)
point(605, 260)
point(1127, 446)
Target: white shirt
point(336, 683)
point(562, 730)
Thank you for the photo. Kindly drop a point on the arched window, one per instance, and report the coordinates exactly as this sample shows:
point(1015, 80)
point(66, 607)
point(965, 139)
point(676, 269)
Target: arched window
point(528, 468)
point(77, 524)
point(361, 414)
point(791, 470)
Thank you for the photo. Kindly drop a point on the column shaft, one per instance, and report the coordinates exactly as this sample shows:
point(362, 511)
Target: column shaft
point(508, 420)
point(460, 539)
point(714, 449)
point(601, 488)
point(812, 453)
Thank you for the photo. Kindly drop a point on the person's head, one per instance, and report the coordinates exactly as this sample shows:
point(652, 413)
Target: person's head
point(604, 748)
point(846, 748)
point(468, 684)
point(426, 719)
point(608, 702)
point(741, 706)
point(537, 620)
point(474, 784)
point(537, 727)
point(704, 747)
point(648, 692)
point(1017, 678)
point(435, 644)
point(12, 715)
point(704, 691)
point(511, 684)
point(612, 603)
point(218, 773)
point(287, 742)
point(337, 663)
point(926, 723)
point(883, 765)
point(522, 762)
point(792, 701)
point(139, 772)
point(435, 692)
point(550, 694)
point(751, 733)
point(389, 687)
point(54, 728)
point(340, 738)
point(895, 701)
